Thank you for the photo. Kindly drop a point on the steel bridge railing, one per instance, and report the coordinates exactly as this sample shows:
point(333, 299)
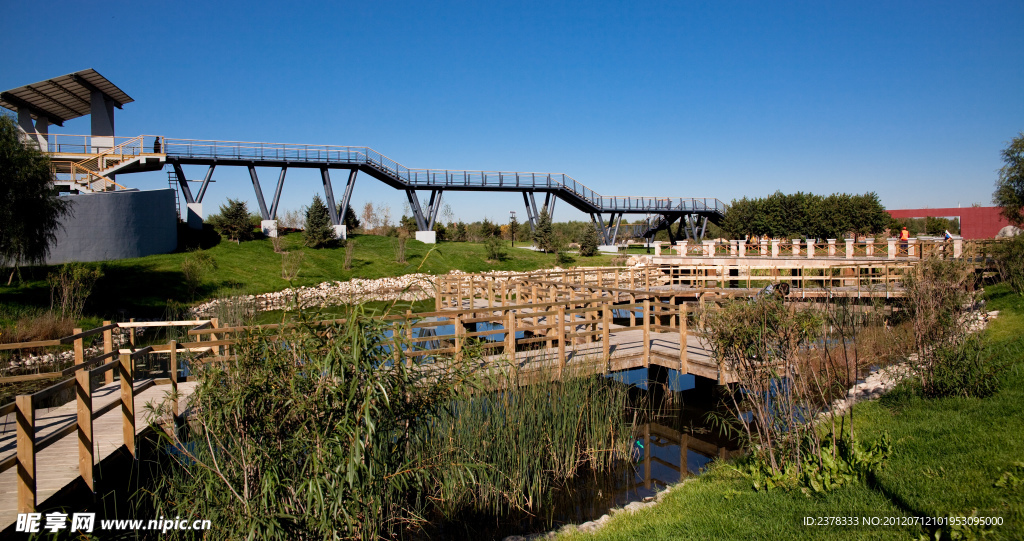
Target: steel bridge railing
point(414, 178)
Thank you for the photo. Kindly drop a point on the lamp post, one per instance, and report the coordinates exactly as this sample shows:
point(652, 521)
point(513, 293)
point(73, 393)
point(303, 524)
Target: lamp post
point(512, 226)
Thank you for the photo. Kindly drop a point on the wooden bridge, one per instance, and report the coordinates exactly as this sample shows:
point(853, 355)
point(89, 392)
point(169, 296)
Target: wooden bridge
point(541, 324)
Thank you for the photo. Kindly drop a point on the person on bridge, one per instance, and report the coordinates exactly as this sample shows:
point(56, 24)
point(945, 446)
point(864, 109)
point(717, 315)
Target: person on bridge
point(156, 145)
point(904, 240)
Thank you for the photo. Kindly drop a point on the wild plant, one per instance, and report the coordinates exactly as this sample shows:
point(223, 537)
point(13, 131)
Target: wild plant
point(194, 268)
point(70, 287)
point(350, 252)
point(326, 431)
point(791, 366)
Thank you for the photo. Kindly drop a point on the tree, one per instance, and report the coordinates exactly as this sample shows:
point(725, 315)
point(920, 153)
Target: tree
point(588, 244)
point(233, 221)
point(544, 236)
point(30, 211)
point(1009, 192)
point(319, 232)
point(369, 218)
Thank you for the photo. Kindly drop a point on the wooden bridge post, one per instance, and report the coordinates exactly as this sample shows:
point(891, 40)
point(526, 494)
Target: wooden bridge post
point(683, 331)
point(647, 333)
point(128, 402)
point(490, 293)
point(458, 337)
point(79, 348)
point(632, 313)
point(86, 450)
point(510, 336)
point(174, 375)
point(108, 346)
point(438, 293)
point(606, 327)
point(26, 426)
point(131, 334)
point(560, 334)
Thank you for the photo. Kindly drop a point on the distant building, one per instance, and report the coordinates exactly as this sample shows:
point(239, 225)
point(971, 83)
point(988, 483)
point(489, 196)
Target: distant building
point(975, 222)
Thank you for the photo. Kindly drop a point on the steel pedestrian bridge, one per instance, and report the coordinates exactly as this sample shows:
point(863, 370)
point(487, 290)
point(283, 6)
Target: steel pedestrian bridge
point(85, 167)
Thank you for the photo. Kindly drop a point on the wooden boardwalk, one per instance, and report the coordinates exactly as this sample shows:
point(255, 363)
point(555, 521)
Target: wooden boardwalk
point(57, 465)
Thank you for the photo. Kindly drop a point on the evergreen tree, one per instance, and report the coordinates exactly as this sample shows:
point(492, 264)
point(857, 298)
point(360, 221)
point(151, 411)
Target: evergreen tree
point(588, 244)
point(233, 221)
point(319, 232)
point(543, 236)
point(30, 212)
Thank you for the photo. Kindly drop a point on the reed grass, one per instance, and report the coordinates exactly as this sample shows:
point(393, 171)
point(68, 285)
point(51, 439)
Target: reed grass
point(325, 432)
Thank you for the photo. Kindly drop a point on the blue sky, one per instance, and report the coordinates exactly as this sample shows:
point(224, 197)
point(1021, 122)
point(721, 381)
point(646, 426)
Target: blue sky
point(912, 100)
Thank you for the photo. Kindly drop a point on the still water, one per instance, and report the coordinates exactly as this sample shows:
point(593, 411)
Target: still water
point(672, 441)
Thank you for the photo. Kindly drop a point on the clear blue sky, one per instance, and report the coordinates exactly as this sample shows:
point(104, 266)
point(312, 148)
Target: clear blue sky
point(913, 100)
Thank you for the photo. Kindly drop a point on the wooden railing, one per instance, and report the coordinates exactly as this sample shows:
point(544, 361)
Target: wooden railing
point(915, 248)
point(664, 281)
point(85, 370)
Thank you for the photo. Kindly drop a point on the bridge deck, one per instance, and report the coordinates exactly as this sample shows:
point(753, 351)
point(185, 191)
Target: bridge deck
point(57, 465)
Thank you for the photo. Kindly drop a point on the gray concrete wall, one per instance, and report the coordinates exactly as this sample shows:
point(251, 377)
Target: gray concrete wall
point(117, 225)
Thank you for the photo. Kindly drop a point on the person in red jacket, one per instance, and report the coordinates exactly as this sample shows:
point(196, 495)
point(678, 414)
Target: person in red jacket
point(904, 240)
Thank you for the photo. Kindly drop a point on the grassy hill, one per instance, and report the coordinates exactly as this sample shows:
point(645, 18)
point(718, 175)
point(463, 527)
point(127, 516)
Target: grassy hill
point(146, 286)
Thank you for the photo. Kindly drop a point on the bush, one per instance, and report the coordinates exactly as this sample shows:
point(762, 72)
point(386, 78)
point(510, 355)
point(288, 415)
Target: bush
point(350, 252)
point(70, 286)
point(966, 369)
point(319, 232)
point(194, 267)
point(1010, 262)
point(495, 249)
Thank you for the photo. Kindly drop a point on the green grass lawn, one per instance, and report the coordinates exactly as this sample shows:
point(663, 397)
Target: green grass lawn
point(947, 458)
point(144, 286)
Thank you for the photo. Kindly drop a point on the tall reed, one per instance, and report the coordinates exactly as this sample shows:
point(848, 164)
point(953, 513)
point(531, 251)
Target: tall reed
point(324, 431)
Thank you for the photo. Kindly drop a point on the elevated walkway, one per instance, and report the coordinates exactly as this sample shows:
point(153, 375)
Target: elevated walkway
point(86, 163)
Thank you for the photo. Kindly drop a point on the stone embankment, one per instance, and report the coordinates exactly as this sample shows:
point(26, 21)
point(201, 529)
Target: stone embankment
point(410, 287)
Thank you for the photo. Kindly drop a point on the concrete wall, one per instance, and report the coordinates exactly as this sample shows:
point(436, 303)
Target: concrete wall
point(117, 225)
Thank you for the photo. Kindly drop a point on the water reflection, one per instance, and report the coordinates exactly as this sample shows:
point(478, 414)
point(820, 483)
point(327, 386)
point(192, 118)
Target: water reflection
point(671, 442)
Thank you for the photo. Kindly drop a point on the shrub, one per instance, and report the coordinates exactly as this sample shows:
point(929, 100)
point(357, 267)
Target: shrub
point(291, 262)
point(495, 249)
point(400, 249)
point(966, 369)
point(350, 251)
point(70, 286)
point(1010, 262)
point(194, 267)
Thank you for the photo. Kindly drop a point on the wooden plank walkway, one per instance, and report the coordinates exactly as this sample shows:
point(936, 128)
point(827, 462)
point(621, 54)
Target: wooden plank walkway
point(57, 465)
point(625, 352)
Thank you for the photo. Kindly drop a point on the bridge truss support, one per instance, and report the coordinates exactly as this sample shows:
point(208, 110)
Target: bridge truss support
point(424, 219)
point(532, 215)
point(609, 231)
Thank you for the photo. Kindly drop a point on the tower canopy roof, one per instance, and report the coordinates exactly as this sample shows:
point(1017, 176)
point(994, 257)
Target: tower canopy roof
point(62, 98)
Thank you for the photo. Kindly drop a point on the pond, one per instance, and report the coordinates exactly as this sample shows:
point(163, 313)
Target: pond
point(672, 441)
